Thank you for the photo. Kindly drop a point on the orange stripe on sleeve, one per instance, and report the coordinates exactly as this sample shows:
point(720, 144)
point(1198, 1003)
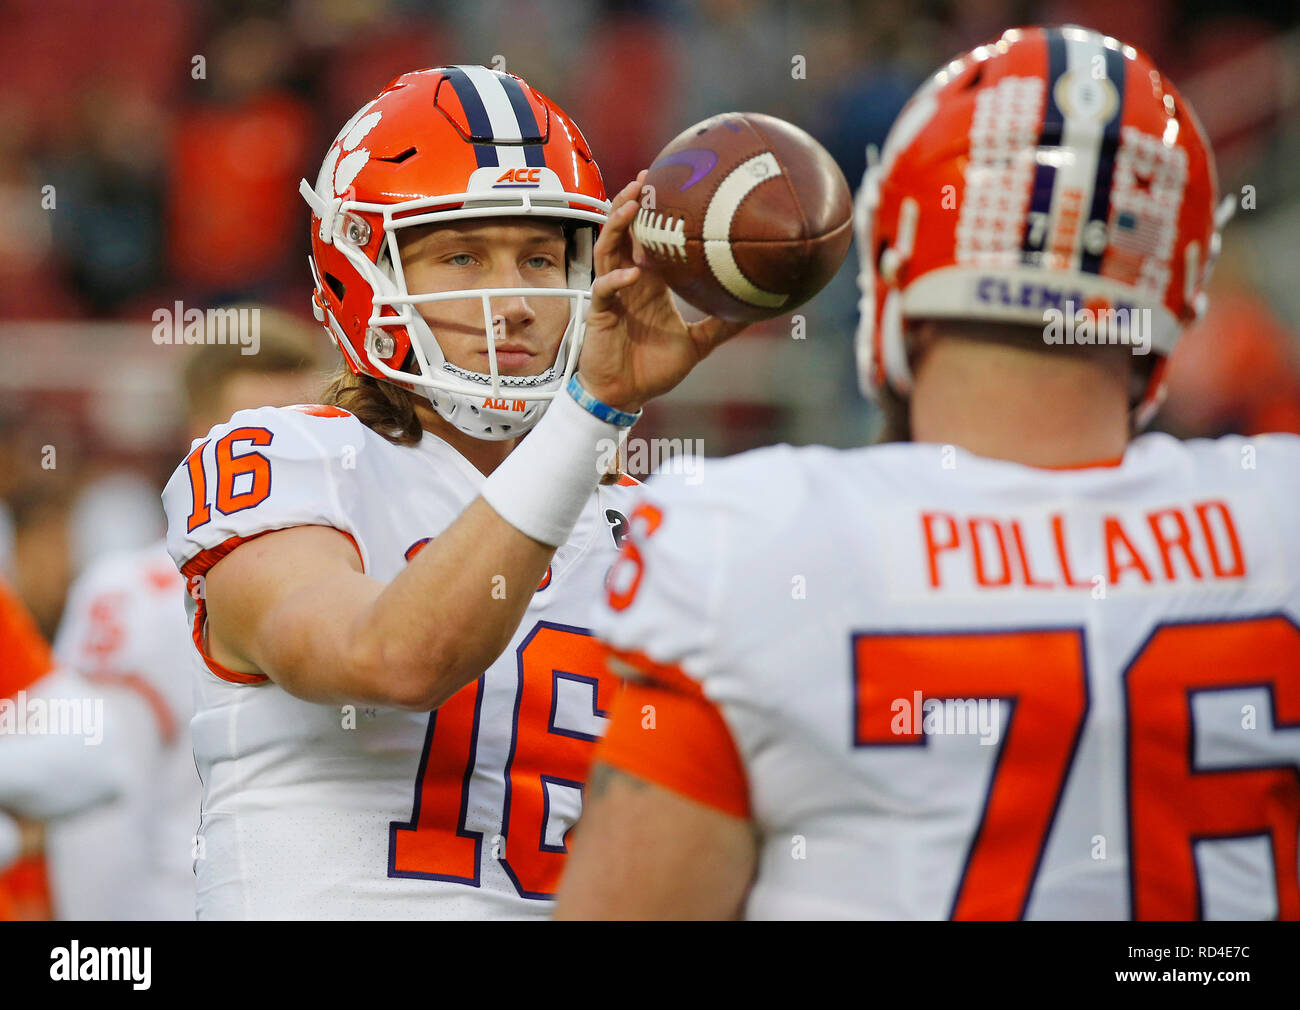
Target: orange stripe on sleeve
point(197, 567)
point(678, 741)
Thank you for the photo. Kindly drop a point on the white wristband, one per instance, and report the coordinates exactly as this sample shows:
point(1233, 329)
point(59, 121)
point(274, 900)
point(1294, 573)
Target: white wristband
point(544, 484)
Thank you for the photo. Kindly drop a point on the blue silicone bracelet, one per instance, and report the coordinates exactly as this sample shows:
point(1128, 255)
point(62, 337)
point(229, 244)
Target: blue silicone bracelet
point(604, 411)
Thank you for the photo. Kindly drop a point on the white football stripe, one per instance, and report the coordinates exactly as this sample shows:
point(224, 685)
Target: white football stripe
point(501, 114)
point(717, 229)
point(1081, 135)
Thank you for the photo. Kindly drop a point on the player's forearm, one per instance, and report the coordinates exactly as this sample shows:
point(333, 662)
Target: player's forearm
point(643, 852)
point(296, 607)
point(438, 625)
point(479, 575)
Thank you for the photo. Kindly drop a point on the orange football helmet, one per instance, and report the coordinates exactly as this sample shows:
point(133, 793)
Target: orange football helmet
point(1053, 167)
point(437, 145)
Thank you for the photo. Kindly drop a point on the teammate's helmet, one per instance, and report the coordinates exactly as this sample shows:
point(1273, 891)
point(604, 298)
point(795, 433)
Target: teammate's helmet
point(1053, 166)
point(447, 144)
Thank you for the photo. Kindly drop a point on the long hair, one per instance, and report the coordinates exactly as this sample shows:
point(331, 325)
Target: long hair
point(386, 409)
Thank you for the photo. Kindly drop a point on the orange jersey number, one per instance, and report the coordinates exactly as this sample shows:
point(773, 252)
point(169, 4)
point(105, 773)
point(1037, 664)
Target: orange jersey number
point(1173, 802)
point(1037, 745)
point(543, 755)
point(624, 578)
point(253, 466)
point(1176, 798)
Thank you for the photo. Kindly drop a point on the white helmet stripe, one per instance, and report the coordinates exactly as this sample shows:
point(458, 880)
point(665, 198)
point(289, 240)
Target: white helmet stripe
point(501, 114)
point(1088, 101)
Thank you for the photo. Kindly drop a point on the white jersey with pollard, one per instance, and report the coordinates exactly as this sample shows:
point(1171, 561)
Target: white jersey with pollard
point(356, 811)
point(968, 688)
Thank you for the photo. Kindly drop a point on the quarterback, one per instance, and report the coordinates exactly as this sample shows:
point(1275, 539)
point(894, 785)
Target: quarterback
point(397, 697)
point(1018, 663)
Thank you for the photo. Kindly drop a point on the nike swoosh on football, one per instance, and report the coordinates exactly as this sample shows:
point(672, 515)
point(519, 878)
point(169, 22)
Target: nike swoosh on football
point(700, 162)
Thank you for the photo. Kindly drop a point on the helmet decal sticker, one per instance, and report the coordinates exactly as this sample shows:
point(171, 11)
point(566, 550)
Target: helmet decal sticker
point(999, 173)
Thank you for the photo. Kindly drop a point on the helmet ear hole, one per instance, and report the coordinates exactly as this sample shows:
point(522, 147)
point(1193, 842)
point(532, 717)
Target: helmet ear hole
point(579, 240)
point(336, 286)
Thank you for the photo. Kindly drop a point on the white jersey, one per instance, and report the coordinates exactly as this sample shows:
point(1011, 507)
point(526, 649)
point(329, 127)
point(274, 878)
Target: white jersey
point(124, 629)
point(963, 687)
point(320, 811)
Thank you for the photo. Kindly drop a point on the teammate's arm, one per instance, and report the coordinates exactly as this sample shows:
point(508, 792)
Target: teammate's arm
point(666, 829)
point(645, 852)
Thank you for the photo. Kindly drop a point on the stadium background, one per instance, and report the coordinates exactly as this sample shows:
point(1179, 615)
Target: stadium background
point(168, 186)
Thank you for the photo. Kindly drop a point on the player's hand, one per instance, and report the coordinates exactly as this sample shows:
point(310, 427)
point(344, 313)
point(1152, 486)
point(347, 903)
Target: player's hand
point(637, 345)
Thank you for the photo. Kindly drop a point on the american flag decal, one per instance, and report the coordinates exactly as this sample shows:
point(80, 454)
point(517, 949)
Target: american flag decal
point(1146, 198)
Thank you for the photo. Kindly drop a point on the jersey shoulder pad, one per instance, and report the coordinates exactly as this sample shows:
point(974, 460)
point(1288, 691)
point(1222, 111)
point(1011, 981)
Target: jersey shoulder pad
point(265, 469)
point(663, 593)
point(1271, 460)
point(761, 487)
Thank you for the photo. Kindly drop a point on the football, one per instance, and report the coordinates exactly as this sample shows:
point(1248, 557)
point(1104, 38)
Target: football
point(745, 216)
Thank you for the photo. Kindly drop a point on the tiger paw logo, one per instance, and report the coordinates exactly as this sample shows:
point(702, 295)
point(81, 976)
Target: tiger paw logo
point(346, 159)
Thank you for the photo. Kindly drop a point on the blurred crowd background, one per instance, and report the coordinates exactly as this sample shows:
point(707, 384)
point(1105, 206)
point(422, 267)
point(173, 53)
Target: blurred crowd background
point(150, 152)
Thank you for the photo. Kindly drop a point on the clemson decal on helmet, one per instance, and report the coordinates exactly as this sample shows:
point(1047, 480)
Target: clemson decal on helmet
point(1055, 166)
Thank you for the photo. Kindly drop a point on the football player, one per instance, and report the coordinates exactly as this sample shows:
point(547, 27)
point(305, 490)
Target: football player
point(124, 628)
point(397, 700)
point(1020, 664)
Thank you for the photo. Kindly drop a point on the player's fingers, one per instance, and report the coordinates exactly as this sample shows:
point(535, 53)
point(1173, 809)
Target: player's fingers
point(605, 290)
point(629, 192)
point(610, 244)
point(611, 249)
